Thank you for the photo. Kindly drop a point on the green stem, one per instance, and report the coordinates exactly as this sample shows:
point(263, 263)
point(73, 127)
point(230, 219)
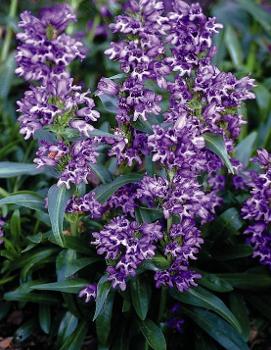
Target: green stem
point(163, 303)
point(74, 227)
point(6, 45)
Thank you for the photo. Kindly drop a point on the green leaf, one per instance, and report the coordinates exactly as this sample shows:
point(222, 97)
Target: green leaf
point(101, 133)
point(32, 201)
point(57, 202)
point(6, 75)
point(76, 339)
point(215, 143)
point(247, 280)
point(103, 289)
point(77, 244)
point(103, 321)
point(72, 286)
point(140, 294)
point(240, 310)
point(101, 171)
point(214, 283)
point(24, 294)
point(45, 318)
point(231, 252)
point(153, 335)
point(25, 331)
point(11, 169)
point(67, 264)
point(110, 103)
point(103, 192)
point(217, 328)
point(148, 215)
point(143, 125)
point(263, 98)
point(245, 148)
point(234, 46)
point(33, 259)
point(15, 225)
point(66, 328)
point(205, 299)
point(257, 12)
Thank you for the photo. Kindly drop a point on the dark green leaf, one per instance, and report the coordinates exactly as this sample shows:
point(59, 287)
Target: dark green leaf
point(69, 286)
point(143, 125)
point(45, 318)
point(217, 328)
point(234, 46)
point(78, 244)
point(213, 282)
point(101, 171)
point(103, 289)
point(246, 280)
point(215, 143)
point(205, 299)
point(232, 252)
point(25, 331)
point(76, 339)
point(244, 149)
point(11, 169)
point(153, 335)
point(32, 201)
point(110, 103)
point(23, 293)
point(148, 215)
point(103, 192)
point(239, 309)
point(15, 225)
point(57, 202)
point(67, 326)
point(103, 321)
point(140, 294)
point(67, 264)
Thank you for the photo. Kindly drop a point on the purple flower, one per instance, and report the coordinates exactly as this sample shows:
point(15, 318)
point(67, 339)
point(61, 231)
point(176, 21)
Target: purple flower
point(44, 49)
point(90, 292)
point(107, 87)
point(126, 244)
point(2, 223)
point(56, 104)
point(257, 210)
point(86, 204)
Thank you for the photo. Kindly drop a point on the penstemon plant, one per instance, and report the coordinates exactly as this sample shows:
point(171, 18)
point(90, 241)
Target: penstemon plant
point(146, 169)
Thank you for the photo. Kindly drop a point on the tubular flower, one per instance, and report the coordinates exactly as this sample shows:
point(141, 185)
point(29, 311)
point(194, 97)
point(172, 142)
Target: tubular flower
point(44, 48)
point(257, 210)
point(126, 244)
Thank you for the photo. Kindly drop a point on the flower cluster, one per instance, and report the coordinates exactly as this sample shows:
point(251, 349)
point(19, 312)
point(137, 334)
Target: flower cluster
point(166, 54)
point(257, 209)
point(126, 244)
point(56, 105)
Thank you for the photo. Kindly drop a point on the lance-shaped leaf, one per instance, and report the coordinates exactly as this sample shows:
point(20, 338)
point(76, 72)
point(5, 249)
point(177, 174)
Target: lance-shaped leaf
point(57, 201)
point(153, 335)
point(215, 143)
point(11, 169)
point(28, 200)
point(103, 192)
